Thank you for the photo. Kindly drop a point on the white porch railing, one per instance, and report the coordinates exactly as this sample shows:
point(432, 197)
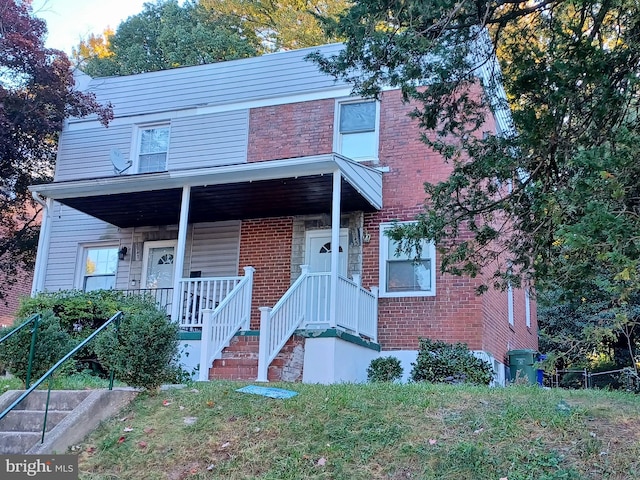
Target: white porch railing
point(220, 325)
point(199, 294)
point(307, 304)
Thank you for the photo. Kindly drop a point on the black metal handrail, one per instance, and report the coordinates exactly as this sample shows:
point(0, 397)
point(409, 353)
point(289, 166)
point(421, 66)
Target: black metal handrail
point(35, 318)
point(115, 319)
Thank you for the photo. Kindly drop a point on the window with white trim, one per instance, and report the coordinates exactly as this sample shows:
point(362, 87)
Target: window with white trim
point(153, 147)
point(99, 267)
point(357, 132)
point(404, 275)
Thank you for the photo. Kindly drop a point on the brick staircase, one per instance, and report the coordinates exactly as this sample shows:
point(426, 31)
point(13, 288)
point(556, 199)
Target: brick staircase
point(239, 361)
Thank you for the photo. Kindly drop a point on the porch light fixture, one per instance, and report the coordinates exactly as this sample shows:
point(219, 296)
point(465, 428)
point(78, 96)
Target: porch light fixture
point(122, 252)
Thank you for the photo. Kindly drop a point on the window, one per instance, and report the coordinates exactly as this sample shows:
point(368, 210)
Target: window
point(153, 148)
point(510, 305)
point(99, 268)
point(358, 130)
point(403, 275)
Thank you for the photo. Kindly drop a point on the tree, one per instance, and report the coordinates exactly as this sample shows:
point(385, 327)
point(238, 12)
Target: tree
point(555, 200)
point(36, 94)
point(165, 35)
point(282, 25)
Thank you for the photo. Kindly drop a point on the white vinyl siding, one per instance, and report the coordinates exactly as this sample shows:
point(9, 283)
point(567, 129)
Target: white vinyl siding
point(401, 275)
point(209, 140)
point(247, 80)
point(86, 153)
point(215, 249)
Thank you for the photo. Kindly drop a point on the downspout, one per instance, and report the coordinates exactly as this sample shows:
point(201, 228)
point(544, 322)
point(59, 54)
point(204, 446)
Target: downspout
point(42, 254)
point(335, 248)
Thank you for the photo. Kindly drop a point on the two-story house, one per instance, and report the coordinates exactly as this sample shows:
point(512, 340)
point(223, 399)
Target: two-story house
point(222, 190)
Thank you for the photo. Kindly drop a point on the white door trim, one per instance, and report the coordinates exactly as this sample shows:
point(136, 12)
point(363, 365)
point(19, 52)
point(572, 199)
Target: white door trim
point(326, 234)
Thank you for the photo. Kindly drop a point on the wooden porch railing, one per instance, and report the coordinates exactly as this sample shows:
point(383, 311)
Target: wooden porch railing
point(307, 305)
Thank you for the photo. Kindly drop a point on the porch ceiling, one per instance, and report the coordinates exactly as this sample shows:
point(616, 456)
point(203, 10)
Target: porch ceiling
point(302, 187)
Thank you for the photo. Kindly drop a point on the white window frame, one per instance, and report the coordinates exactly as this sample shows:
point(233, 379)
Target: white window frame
point(82, 259)
point(527, 308)
point(337, 136)
point(137, 143)
point(428, 252)
point(510, 306)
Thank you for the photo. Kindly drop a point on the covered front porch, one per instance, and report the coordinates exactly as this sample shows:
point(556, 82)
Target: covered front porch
point(219, 306)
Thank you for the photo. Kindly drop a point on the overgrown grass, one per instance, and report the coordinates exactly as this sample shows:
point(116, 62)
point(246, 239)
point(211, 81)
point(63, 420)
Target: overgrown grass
point(373, 431)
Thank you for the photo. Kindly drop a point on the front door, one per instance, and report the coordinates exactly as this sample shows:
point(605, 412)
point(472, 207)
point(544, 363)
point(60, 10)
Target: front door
point(318, 257)
point(318, 250)
point(158, 270)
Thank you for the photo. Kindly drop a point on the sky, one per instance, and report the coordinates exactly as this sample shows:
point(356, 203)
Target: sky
point(69, 21)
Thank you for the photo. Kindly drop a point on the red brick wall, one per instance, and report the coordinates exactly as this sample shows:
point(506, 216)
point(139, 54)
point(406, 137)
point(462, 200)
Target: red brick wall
point(12, 295)
point(456, 313)
point(289, 131)
point(265, 244)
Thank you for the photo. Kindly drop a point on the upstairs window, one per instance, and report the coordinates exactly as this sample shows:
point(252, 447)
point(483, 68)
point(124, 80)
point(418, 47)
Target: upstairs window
point(358, 130)
point(153, 148)
point(99, 268)
point(403, 275)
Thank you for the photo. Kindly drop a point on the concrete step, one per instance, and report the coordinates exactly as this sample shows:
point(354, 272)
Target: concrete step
point(13, 443)
point(31, 420)
point(58, 400)
point(72, 415)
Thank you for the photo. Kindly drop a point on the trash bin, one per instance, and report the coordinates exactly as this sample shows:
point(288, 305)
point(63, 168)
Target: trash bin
point(521, 365)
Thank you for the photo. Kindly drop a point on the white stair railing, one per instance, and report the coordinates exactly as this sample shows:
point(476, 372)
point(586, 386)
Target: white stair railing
point(220, 325)
point(199, 294)
point(277, 324)
point(307, 305)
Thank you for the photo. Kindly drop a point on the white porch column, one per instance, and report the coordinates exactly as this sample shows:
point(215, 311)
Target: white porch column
point(42, 254)
point(335, 247)
point(265, 341)
point(179, 254)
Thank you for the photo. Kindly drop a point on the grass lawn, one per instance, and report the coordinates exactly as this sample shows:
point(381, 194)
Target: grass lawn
point(372, 431)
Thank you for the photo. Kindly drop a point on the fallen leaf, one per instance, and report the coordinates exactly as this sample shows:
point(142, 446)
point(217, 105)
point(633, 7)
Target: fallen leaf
point(148, 430)
point(122, 439)
point(211, 467)
point(166, 403)
point(321, 462)
point(127, 429)
point(432, 441)
point(91, 449)
point(142, 444)
point(478, 431)
point(124, 419)
point(225, 445)
point(181, 407)
point(210, 404)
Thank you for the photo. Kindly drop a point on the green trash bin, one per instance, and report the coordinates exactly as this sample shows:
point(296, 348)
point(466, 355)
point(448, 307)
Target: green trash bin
point(521, 365)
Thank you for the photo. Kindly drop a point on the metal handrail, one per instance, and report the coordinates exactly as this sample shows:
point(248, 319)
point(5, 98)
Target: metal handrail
point(17, 329)
point(35, 318)
point(115, 319)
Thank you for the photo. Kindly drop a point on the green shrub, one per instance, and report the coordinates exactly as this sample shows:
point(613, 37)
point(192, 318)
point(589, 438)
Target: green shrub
point(52, 343)
point(81, 313)
point(143, 353)
point(384, 369)
point(441, 362)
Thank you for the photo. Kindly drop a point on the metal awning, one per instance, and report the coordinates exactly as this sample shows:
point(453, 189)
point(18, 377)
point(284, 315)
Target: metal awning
point(296, 186)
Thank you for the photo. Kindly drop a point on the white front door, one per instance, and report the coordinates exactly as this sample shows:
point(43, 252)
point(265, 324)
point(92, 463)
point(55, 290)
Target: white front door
point(158, 269)
point(318, 250)
point(318, 257)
